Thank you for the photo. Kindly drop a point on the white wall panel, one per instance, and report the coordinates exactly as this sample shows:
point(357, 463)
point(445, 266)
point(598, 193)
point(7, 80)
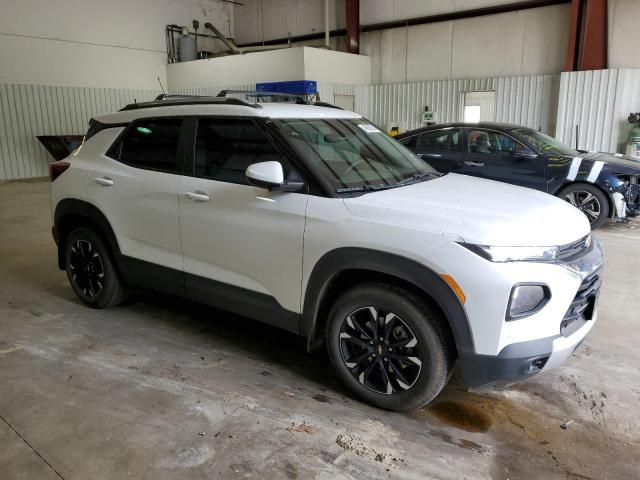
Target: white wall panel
point(379, 11)
point(522, 100)
point(97, 43)
point(30, 110)
point(623, 33)
point(597, 102)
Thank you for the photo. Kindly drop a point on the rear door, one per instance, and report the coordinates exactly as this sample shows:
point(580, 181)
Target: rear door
point(442, 148)
point(498, 156)
point(242, 244)
point(135, 184)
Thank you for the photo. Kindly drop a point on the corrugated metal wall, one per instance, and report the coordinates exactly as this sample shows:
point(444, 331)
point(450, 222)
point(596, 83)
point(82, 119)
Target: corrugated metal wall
point(213, 90)
point(30, 110)
point(525, 100)
point(598, 102)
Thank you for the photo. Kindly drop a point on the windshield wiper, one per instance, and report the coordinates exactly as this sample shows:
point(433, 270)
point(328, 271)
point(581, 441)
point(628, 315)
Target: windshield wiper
point(363, 188)
point(401, 183)
point(415, 177)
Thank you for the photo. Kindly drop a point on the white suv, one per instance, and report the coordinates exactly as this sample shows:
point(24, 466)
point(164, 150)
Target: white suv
point(312, 219)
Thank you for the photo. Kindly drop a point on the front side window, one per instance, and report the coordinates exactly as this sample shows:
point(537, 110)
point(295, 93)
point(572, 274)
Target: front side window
point(226, 147)
point(352, 154)
point(492, 143)
point(544, 143)
point(151, 144)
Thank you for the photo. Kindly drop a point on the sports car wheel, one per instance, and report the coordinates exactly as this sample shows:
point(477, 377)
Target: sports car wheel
point(91, 271)
point(589, 200)
point(388, 347)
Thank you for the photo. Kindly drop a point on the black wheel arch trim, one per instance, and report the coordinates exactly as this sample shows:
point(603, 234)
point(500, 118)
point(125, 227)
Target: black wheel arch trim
point(92, 215)
point(340, 260)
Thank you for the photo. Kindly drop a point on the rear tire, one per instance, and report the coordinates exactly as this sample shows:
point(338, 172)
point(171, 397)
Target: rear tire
point(590, 200)
point(91, 270)
point(399, 363)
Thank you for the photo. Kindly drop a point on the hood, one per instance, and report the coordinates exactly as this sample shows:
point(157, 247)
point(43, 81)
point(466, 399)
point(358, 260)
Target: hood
point(615, 163)
point(477, 211)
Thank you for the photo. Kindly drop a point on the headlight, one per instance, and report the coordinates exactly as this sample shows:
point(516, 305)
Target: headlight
point(514, 254)
point(526, 300)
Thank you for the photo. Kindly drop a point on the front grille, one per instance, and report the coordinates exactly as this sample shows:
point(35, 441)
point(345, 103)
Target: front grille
point(582, 308)
point(572, 250)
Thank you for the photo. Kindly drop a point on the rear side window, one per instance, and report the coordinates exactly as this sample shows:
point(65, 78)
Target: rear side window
point(436, 141)
point(150, 144)
point(226, 147)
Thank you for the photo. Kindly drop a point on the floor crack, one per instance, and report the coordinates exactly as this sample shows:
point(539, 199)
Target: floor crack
point(31, 447)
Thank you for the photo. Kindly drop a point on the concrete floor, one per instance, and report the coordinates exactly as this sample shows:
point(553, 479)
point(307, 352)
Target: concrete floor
point(162, 389)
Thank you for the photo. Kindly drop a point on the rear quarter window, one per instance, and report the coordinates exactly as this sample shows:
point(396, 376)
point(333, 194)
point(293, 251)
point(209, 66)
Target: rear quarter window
point(150, 144)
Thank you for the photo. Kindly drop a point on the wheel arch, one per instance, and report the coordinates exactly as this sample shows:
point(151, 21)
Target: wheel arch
point(72, 213)
point(343, 267)
point(607, 194)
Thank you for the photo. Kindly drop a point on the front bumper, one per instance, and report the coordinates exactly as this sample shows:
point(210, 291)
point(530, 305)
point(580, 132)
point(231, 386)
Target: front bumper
point(564, 327)
point(519, 361)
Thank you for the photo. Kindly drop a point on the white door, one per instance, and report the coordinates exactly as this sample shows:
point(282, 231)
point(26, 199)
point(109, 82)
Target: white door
point(136, 187)
point(346, 102)
point(242, 245)
point(479, 107)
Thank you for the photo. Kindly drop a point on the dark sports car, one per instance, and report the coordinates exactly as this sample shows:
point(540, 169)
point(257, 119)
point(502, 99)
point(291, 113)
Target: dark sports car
point(601, 185)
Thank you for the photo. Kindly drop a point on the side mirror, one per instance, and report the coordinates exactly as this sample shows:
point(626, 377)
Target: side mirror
point(265, 175)
point(269, 175)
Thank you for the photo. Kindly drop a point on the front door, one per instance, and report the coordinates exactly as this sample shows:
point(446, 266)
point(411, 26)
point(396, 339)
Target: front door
point(498, 156)
point(242, 245)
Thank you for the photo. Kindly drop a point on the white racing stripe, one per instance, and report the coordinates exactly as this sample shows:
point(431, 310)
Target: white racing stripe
point(595, 171)
point(575, 166)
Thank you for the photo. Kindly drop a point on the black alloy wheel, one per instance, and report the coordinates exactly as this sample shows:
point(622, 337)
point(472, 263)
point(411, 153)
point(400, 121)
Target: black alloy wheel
point(87, 270)
point(91, 270)
point(380, 350)
point(388, 346)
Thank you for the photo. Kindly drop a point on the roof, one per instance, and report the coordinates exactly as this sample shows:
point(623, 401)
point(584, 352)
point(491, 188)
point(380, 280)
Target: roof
point(492, 125)
point(268, 110)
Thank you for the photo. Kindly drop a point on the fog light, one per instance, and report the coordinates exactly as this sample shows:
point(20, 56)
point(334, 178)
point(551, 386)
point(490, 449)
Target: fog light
point(537, 365)
point(526, 300)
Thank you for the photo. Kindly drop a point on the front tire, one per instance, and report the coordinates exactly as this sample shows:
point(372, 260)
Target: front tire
point(388, 347)
point(590, 200)
point(91, 271)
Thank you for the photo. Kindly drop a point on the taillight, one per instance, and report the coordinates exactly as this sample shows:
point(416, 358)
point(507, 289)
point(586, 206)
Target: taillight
point(57, 168)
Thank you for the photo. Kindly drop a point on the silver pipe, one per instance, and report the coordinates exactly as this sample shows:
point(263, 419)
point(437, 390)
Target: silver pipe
point(229, 43)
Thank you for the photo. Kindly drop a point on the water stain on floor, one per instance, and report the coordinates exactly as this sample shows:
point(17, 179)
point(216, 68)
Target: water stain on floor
point(461, 415)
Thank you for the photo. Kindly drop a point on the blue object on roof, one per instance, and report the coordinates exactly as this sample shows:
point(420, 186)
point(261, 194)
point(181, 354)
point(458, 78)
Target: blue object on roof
point(298, 87)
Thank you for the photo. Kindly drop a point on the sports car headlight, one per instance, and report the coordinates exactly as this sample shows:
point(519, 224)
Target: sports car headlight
point(514, 254)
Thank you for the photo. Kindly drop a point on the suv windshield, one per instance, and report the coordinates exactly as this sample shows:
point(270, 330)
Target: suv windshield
point(544, 143)
point(352, 154)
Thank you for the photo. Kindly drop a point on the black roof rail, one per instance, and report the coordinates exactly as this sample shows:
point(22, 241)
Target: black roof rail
point(169, 96)
point(327, 104)
point(189, 100)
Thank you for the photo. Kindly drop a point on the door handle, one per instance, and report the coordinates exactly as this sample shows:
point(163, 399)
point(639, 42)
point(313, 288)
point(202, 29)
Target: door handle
point(197, 196)
point(104, 181)
point(474, 164)
point(434, 155)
